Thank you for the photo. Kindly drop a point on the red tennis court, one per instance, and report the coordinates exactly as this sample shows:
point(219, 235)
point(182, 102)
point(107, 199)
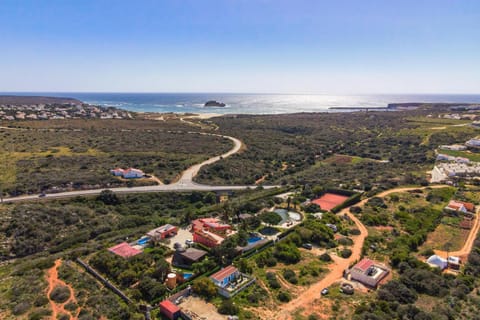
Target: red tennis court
point(329, 201)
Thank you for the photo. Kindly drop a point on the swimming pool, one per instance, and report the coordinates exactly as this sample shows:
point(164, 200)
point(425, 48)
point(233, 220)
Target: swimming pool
point(187, 276)
point(253, 240)
point(287, 215)
point(143, 241)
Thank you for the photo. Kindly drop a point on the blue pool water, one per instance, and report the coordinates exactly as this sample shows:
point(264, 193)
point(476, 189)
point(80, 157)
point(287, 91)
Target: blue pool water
point(143, 241)
point(253, 240)
point(187, 276)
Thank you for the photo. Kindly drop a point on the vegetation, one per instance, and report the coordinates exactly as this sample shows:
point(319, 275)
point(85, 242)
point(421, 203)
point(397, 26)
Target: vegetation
point(76, 154)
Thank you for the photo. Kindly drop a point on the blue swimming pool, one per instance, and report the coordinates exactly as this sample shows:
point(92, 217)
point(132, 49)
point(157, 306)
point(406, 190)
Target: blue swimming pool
point(187, 276)
point(253, 240)
point(143, 241)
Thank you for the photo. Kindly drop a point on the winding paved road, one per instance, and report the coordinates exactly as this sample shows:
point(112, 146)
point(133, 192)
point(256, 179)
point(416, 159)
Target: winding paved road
point(184, 184)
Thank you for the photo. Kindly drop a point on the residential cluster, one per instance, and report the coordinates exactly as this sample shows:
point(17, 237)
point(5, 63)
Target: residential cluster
point(449, 168)
point(190, 247)
point(60, 111)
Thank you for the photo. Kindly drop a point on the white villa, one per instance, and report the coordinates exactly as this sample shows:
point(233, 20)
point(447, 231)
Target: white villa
point(130, 173)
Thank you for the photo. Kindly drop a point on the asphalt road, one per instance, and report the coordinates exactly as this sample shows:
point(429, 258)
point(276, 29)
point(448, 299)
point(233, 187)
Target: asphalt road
point(184, 184)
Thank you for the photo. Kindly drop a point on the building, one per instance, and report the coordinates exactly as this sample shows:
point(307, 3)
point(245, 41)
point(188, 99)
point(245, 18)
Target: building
point(124, 250)
point(230, 281)
point(453, 147)
point(223, 277)
point(129, 173)
point(210, 231)
point(207, 238)
point(169, 310)
point(443, 172)
point(460, 207)
point(132, 173)
point(473, 143)
point(437, 262)
point(368, 272)
point(453, 262)
point(185, 258)
point(210, 224)
point(162, 232)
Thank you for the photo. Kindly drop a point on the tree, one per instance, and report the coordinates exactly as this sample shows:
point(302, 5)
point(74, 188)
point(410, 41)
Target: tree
point(228, 307)
point(204, 287)
point(270, 218)
point(108, 197)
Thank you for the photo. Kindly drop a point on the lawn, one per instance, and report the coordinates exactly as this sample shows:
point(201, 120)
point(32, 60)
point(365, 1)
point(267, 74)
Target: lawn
point(464, 154)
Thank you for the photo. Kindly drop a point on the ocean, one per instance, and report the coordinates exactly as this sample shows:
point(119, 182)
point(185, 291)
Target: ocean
point(250, 103)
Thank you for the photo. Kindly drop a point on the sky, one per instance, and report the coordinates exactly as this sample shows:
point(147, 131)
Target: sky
point(264, 46)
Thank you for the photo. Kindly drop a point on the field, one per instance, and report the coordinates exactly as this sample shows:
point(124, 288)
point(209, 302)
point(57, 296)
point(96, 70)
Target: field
point(446, 238)
point(357, 150)
point(66, 155)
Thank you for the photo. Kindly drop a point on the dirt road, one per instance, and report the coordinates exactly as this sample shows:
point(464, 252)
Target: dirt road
point(54, 281)
point(467, 247)
point(310, 296)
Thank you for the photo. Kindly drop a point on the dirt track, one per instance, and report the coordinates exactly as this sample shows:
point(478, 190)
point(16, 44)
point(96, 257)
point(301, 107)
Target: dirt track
point(54, 281)
point(467, 247)
point(310, 297)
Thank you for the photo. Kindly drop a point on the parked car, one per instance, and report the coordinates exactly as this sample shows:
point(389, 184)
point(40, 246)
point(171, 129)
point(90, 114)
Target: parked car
point(41, 195)
point(307, 246)
point(189, 242)
point(324, 291)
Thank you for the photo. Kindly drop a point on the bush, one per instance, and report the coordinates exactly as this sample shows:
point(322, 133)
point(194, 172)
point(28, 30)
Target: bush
point(355, 209)
point(290, 276)
point(325, 257)
point(228, 307)
point(284, 296)
point(204, 287)
point(427, 252)
point(60, 294)
point(345, 241)
point(272, 280)
point(21, 308)
point(354, 232)
point(345, 253)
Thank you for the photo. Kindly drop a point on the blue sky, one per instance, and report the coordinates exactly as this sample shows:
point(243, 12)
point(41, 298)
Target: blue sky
point(296, 46)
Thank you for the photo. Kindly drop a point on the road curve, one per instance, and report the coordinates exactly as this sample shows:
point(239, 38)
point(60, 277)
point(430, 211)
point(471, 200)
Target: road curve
point(184, 184)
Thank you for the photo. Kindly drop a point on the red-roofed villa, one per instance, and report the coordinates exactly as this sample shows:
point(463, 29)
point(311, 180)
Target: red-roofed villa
point(368, 273)
point(460, 206)
point(124, 250)
point(209, 231)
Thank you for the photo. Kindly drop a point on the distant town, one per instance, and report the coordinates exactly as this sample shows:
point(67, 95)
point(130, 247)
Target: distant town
point(55, 111)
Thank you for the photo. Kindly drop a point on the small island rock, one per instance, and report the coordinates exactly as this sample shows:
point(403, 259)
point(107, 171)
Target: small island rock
point(213, 103)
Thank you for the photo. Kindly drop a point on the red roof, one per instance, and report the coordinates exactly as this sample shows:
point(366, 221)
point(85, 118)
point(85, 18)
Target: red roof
point(364, 264)
point(168, 306)
point(456, 205)
point(225, 272)
point(124, 250)
point(470, 206)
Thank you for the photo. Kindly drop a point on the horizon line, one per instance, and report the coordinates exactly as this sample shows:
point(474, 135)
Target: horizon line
point(241, 93)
